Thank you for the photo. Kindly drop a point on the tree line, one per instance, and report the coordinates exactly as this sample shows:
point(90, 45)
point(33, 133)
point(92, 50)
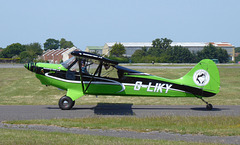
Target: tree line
point(30, 52)
point(162, 52)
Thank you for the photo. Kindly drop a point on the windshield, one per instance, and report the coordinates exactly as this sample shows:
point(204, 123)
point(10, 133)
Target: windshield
point(68, 62)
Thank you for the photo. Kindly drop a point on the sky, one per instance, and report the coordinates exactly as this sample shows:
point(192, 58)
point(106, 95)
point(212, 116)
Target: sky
point(96, 22)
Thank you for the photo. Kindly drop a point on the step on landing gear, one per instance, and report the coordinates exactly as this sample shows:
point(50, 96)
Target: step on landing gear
point(209, 106)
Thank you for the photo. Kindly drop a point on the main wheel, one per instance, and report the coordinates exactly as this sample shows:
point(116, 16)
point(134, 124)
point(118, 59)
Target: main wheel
point(73, 103)
point(66, 103)
point(209, 106)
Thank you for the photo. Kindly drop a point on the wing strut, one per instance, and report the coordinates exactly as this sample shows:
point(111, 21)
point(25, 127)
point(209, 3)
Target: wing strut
point(81, 74)
point(99, 66)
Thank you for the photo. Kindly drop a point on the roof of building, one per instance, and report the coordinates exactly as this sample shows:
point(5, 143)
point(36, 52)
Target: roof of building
point(189, 44)
point(224, 44)
point(95, 47)
point(69, 50)
point(58, 51)
point(132, 44)
point(49, 51)
point(184, 44)
point(61, 51)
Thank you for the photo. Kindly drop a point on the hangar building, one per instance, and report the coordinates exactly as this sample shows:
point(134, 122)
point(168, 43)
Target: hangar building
point(131, 47)
point(94, 49)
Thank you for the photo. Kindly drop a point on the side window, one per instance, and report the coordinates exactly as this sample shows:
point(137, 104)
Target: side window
point(92, 67)
point(99, 68)
point(75, 67)
point(71, 64)
point(109, 71)
point(89, 66)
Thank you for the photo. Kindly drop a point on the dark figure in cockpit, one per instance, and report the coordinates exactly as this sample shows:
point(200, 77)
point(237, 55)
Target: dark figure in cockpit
point(84, 69)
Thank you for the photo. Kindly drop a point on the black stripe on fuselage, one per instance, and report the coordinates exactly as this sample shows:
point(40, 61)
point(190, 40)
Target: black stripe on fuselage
point(189, 89)
point(132, 80)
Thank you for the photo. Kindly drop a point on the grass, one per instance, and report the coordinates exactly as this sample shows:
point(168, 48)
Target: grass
point(208, 125)
point(19, 86)
point(8, 136)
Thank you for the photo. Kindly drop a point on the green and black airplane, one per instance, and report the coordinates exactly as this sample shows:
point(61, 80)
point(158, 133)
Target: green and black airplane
point(87, 73)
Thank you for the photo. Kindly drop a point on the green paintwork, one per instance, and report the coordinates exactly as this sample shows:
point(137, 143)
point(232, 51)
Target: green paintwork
point(52, 66)
point(213, 86)
point(74, 90)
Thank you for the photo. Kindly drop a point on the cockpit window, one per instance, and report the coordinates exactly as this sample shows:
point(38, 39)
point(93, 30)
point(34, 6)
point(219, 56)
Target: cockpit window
point(68, 62)
point(71, 64)
point(90, 66)
point(109, 71)
point(98, 68)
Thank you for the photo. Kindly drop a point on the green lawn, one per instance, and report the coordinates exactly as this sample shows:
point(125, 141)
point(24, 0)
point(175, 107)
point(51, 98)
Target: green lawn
point(19, 86)
point(207, 125)
point(8, 136)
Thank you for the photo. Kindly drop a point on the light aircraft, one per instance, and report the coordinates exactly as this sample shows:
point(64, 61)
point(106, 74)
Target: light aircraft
point(87, 73)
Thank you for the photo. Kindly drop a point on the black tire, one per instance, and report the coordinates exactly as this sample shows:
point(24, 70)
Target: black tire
point(73, 103)
point(66, 103)
point(209, 107)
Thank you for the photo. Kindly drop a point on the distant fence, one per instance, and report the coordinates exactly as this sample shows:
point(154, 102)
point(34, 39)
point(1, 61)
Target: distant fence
point(9, 60)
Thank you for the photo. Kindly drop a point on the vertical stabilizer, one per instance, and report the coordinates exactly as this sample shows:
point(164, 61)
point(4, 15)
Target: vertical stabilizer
point(204, 75)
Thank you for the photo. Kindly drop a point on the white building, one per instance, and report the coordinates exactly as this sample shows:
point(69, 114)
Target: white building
point(94, 49)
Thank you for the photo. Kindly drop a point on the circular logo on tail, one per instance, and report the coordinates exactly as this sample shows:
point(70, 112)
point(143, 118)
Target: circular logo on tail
point(201, 77)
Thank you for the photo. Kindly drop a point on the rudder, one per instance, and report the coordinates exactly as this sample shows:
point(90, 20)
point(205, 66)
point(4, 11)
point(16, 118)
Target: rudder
point(204, 75)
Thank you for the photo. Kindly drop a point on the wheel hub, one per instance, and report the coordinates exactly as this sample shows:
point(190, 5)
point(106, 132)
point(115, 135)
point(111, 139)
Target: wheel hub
point(65, 103)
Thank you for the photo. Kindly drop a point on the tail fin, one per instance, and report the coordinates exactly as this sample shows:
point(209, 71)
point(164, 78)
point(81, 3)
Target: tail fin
point(204, 76)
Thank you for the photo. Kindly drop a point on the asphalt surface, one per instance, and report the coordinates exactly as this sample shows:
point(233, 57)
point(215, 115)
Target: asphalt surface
point(101, 109)
point(3, 65)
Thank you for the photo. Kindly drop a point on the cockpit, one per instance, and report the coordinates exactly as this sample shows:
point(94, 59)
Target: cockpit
point(88, 64)
point(91, 67)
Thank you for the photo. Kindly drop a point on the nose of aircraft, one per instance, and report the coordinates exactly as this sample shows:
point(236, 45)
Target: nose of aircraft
point(30, 66)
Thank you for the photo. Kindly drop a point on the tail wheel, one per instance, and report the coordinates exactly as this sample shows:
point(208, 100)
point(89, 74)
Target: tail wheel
point(209, 107)
point(66, 103)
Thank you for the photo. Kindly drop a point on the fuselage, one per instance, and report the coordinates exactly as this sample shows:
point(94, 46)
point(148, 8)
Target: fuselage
point(128, 83)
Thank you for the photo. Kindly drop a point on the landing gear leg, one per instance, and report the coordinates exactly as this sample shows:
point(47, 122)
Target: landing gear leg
point(209, 106)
